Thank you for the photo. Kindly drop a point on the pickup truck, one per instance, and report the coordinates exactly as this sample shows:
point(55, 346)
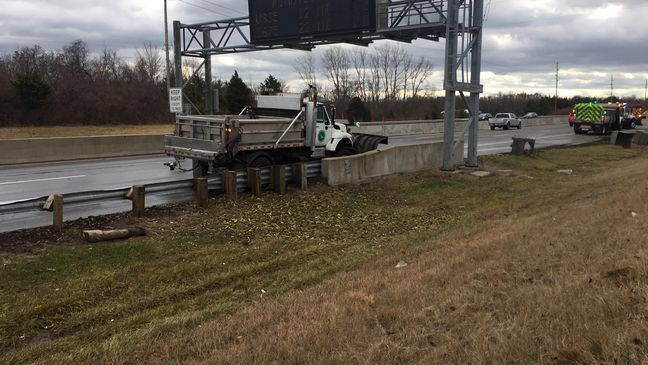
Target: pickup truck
point(505, 121)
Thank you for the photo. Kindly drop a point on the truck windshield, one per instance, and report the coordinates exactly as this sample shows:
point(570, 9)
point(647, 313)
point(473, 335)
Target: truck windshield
point(321, 115)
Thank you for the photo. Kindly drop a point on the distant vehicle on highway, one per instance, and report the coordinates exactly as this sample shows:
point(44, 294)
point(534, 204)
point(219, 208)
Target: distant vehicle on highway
point(505, 121)
point(530, 115)
point(485, 116)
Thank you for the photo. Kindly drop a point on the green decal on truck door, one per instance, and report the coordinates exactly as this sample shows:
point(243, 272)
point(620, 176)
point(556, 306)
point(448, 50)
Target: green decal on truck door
point(321, 136)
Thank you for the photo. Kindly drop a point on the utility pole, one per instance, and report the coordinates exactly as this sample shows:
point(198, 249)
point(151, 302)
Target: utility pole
point(166, 47)
point(612, 87)
point(646, 95)
point(557, 79)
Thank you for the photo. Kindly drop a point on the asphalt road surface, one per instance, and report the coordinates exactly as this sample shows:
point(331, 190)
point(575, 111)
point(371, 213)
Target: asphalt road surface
point(23, 182)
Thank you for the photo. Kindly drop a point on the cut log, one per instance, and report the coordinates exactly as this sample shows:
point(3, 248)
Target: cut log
point(93, 236)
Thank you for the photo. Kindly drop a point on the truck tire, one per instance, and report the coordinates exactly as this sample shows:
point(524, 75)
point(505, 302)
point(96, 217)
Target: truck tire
point(345, 148)
point(199, 168)
point(507, 126)
point(258, 160)
point(492, 128)
point(519, 126)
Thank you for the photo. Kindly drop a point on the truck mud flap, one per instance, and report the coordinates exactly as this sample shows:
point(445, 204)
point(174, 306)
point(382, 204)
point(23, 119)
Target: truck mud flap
point(368, 142)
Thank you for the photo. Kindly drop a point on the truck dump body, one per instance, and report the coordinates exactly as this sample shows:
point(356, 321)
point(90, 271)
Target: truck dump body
point(206, 137)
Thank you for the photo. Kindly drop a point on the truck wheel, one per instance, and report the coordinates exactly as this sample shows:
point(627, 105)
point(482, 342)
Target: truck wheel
point(258, 160)
point(519, 126)
point(507, 126)
point(199, 168)
point(492, 128)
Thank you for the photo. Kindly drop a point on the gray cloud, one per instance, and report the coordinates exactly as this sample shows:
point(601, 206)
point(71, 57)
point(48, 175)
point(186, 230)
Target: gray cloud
point(523, 39)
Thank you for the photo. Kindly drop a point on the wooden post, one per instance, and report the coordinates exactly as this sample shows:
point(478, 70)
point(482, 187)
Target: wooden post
point(229, 185)
point(139, 200)
point(300, 175)
point(57, 209)
point(279, 179)
point(254, 181)
point(202, 192)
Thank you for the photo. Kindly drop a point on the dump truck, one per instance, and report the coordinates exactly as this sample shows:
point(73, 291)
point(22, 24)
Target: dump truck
point(281, 129)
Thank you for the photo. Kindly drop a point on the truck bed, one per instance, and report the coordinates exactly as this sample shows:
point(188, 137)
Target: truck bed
point(205, 137)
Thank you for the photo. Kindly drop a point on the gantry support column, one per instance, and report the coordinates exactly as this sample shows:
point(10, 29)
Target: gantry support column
point(450, 84)
point(475, 80)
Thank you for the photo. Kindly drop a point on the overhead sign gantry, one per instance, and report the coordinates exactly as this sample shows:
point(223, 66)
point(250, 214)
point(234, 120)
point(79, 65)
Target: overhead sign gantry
point(305, 24)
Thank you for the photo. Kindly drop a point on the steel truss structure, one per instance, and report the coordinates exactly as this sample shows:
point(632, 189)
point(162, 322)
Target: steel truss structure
point(460, 22)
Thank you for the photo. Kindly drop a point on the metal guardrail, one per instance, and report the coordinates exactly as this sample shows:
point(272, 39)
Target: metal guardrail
point(215, 183)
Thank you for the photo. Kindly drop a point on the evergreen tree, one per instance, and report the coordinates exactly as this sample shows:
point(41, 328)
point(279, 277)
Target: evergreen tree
point(271, 86)
point(238, 95)
point(357, 111)
point(31, 89)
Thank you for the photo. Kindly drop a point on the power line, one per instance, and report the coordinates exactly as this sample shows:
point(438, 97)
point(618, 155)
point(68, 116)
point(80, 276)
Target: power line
point(224, 7)
point(203, 8)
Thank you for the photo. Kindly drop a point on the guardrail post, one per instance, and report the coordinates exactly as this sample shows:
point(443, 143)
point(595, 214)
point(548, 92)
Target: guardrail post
point(139, 200)
point(229, 183)
point(254, 181)
point(57, 209)
point(279, 179)
point(202, 192)
point(300, 175)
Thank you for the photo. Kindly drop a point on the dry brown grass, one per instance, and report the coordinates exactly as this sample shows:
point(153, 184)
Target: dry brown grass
point(82, 131)
point(555, 277)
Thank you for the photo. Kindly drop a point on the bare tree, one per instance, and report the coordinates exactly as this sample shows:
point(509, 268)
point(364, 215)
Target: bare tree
point(361, 59)
point(337, 67)
point(391, 60)
point(149, 62)
point(75, 60)
point(107, 67)
point(420, 71)
point(306, 68)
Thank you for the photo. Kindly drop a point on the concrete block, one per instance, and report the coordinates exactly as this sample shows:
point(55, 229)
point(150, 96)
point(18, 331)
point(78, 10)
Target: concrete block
point(481, 174)
point(386, 162)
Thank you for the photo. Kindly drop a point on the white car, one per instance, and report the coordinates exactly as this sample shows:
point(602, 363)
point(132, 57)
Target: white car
point(505, 121)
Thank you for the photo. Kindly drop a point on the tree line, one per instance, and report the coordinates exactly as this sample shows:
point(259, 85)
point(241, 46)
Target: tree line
point(72, 86)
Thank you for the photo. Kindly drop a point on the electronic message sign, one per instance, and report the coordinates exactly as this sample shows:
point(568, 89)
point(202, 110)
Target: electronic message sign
point(286, 21)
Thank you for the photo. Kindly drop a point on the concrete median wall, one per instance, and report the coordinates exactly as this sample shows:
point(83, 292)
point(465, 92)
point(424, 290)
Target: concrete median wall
point(16, 151)
point(385, 162)
point(411, 127)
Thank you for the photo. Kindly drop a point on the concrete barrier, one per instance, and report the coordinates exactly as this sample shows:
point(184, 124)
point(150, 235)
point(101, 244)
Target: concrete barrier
point(385, 162)
point(16, 151)
point(411, 127)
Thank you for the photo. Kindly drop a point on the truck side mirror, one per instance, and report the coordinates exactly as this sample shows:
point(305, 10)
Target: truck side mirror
point(333, 112)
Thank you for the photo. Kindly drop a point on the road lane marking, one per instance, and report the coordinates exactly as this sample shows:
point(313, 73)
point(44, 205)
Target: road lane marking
point(41, 180)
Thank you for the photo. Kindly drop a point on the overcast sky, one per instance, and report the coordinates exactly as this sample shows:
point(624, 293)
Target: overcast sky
point(592, 39)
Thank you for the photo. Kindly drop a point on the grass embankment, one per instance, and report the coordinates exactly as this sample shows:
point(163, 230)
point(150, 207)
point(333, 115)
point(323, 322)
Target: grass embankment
point(83, 131)
point(524, 267)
